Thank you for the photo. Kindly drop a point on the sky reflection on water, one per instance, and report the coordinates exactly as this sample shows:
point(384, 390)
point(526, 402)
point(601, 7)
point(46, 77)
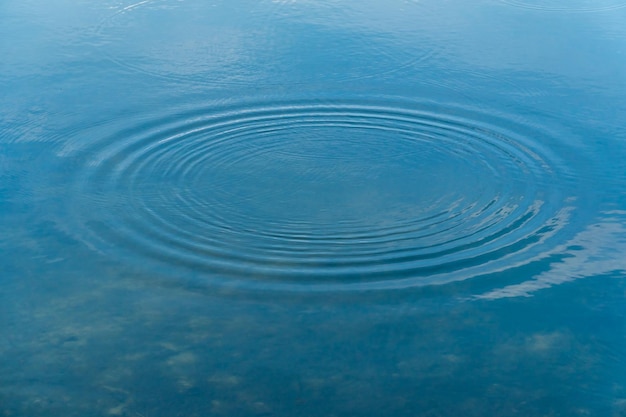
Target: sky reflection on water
point(278, 208)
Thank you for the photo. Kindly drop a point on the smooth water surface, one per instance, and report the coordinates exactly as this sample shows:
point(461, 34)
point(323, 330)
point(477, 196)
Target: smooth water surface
point(313, 208)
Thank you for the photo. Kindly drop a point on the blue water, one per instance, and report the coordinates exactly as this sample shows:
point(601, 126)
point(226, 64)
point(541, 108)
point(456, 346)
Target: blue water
point(313, 208)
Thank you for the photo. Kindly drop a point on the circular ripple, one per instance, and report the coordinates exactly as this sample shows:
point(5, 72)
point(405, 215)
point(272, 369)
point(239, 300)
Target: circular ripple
point(260, 42)
point(313, 196)
point(568, 6)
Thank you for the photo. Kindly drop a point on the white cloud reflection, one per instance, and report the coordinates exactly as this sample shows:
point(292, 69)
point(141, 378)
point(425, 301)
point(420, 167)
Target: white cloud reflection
point(598, 249)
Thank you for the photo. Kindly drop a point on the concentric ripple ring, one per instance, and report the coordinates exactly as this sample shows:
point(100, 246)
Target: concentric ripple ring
point(317, 196)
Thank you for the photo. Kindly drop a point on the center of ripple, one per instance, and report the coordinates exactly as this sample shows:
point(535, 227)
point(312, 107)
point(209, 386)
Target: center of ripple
point(317, 177)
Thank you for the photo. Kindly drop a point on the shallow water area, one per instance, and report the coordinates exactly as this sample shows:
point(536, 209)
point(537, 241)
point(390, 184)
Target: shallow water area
point(278, 208)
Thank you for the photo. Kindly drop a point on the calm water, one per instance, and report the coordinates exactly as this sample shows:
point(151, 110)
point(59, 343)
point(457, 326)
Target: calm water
point(313, 208)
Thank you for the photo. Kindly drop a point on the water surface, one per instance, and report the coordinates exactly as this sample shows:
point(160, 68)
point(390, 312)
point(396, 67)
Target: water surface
point(279, 208)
